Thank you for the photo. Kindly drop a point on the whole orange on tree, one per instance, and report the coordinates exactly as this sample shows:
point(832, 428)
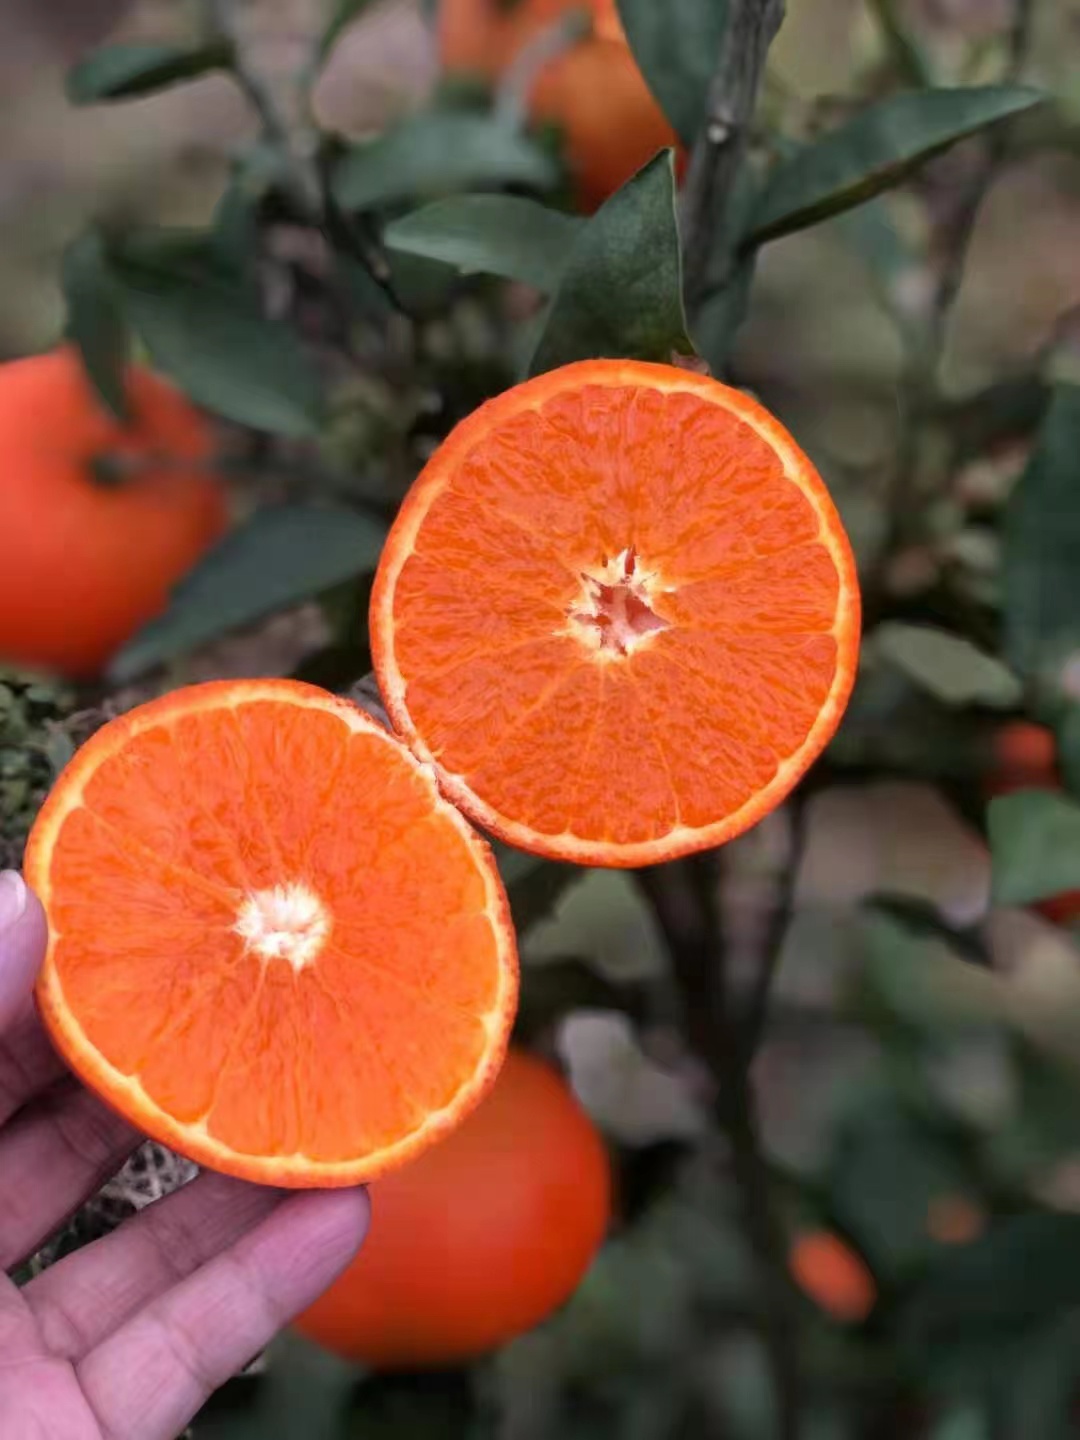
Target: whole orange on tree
point(98, 518)
point(479, 1239)
point(1024, 757)
point(592, 89)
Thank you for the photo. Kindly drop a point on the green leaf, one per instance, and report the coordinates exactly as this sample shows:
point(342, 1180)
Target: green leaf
point(206, 329)
point(533, 886)
point(490, 235)
point(677, 46)
point(96, 320)
point(436, 153)
point(876, 150)
point(621, 294)
point(1042, 546)
point(121, 71)
point(947, 666)
point(280, 557)
point(1035, 845)
point(1067, 729)
point(603, 920)
point(885, 1172)
point(1024, 1270)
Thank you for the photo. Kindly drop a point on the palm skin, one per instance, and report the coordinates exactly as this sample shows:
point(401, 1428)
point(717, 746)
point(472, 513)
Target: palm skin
point(126, 1338)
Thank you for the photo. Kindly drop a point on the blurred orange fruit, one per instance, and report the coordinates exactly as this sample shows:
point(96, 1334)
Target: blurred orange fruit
point(954, 1220)
point(832, 1275)
point(593, 90)
point(1025, 758)
point(617, 613)
point(246, 957)
point(1024, 755)
point(88, 556)
point(481, 1238)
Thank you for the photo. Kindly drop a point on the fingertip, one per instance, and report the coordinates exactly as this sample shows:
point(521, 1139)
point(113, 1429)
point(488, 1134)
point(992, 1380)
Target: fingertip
point(23, 936)
point(328, 1227)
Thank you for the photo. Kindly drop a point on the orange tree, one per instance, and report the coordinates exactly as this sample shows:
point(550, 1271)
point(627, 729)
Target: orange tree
point(347, 305)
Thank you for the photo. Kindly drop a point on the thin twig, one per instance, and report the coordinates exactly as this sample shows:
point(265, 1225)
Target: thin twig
point(995, 153)
point(683, 896)
point(302, 177)
point(757, 1001)
point(919, 386)
point(718, 155)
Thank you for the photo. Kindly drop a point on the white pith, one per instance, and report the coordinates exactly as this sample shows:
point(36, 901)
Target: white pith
point(286, 922)
point(615, 612)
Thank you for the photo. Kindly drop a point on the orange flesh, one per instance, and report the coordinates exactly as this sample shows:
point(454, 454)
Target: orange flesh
point(272, 944)
point(619, 612)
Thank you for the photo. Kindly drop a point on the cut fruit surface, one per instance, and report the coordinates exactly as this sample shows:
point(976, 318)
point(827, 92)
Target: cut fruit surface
point(273, 945)
point(619, 614)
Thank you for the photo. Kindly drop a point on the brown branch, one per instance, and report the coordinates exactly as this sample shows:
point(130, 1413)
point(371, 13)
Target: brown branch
point(919, 387)
point(718, 155)
point(683, 897)
point(757, 1002)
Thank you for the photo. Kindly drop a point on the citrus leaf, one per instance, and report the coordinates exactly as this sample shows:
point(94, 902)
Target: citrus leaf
point(119, 72)
point(280, 557)
point(207, 331)
point(1042, 545)
point(1025, 1269)
point(437, 153)
point(677, 46)
point(621, 293)
point(877, 150)
point(1035, 844)
point(947, 666)
point(96, 320)
point(533, 885)
point(491, 235)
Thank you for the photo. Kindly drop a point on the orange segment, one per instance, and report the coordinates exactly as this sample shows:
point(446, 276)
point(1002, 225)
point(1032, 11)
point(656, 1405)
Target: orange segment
point(618, 612)
point(273, 945)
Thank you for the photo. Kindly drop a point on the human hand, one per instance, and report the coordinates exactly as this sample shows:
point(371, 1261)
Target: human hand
point(127, 1337)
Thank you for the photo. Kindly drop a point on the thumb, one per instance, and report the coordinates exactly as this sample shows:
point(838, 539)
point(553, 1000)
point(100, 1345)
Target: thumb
point(22, 944)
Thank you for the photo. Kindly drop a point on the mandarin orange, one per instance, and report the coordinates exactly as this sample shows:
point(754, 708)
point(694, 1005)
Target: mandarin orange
point(481, 1238)
point(1025, 758)
point(832, 1275)
point(85, 560)
point(618, 614)
point(592, 90)
point(273, 946)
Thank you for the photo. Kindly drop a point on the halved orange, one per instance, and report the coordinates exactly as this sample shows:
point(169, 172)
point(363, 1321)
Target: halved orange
point(618, 613)
point(273, 945)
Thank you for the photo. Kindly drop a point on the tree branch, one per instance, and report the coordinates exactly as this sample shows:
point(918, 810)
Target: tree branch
point(718, 155)
point(683, 897)
point(919, 388)
point(757, 1002)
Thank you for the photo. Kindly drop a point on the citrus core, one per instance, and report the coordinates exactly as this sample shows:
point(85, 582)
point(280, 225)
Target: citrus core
point(98, 519)
point(481, 1238)
point(273, 945)
point(618, 614)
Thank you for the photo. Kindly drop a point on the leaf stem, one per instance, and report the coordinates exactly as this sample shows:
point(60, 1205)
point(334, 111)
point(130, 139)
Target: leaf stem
point(718, 155)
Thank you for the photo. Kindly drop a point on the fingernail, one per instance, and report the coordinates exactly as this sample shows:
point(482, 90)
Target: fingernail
point(13, 895)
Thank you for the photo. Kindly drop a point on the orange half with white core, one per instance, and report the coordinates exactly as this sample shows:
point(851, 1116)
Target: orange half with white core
point(618, 614)
point(273, 945)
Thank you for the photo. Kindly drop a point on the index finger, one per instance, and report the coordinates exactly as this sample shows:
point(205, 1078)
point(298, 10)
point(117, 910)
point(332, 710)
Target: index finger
point(23, 937)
